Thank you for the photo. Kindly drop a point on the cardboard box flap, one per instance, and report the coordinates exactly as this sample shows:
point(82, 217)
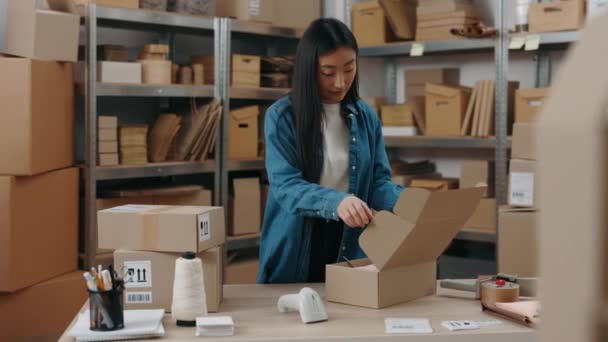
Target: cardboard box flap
point(508, 209)
point(445, 91)
point(533, 93)
point(425, 225)
point(366, 5)
point(245, 113)
point(67, 6)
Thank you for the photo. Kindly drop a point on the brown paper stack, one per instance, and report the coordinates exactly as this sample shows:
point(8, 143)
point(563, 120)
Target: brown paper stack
point(156, 69)
point(277, 71)
point(436, 18)
point(479, 117)
point(133, 144)
point(198, 134)
point(162, 135)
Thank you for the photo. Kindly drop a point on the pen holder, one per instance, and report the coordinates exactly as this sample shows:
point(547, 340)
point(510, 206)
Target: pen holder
point(106, 308)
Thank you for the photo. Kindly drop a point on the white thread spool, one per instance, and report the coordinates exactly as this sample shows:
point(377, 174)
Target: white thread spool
point(189, 299)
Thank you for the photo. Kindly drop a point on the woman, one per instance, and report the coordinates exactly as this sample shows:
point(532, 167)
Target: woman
point(326, 162)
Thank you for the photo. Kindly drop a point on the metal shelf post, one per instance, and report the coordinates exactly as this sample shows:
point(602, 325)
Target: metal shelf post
point(501, 55)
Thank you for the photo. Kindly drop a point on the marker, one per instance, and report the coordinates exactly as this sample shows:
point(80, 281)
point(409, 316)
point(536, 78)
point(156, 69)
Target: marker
point(91, 285)
point(107, 280)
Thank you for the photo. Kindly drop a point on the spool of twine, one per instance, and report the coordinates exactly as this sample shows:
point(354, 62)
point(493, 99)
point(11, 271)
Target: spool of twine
point(156, 71)
point(185, 75)
point(491, 292)
point(199, 73)
point(174, 73)
point(189, 299)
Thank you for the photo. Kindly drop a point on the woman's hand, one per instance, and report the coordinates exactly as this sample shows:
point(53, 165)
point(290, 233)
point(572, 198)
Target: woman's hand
point(354, 212)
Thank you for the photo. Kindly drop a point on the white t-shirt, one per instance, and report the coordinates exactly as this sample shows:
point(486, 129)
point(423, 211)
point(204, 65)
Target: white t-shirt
point(335, 149)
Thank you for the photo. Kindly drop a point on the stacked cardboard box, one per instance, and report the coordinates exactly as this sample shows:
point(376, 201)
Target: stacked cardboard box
point(436, 18)
point(243, 133)
point(294, 14)
point(517, 240)
point(133, 144)
point(38, 185)
point(148, 248)
point(480, 173)
point(107, 140)
point(242, 268)
point(245, 207)
point(415, 89)
point(155, 66)
point(528, 103)
point(445, 109)
point(245, 69)
point(560, 15)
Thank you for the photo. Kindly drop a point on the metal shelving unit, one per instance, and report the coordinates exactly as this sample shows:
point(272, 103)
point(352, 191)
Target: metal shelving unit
point(167, 24)
point(431, 142)
point(450, 46)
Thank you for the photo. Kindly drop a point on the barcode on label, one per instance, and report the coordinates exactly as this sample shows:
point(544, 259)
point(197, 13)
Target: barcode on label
point(203, 227)
point(139, 298)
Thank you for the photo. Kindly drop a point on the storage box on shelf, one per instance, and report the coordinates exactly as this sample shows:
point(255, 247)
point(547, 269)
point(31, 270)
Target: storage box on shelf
point(133, 141)
point(38, 213)
point(243, 133)
point(564, 15)
point(42, 34)
point(370, 25)
point(245, 70)
point(193, 7)
point(518, 241)
point(435, 19)
point(107, 140)
point(245, 207)
point(131, 4)
point(528, 103)
point(445, 109)
point(37, 125)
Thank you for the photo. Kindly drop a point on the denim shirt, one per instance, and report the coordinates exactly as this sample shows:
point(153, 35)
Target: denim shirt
point(285, 243)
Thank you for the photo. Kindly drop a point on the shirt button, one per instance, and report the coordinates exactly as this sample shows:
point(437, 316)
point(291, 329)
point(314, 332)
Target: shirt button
point(354, 139)
point(343, 248)
point(354, 167)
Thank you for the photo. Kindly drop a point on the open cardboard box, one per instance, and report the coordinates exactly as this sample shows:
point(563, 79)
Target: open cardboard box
point(403, 249)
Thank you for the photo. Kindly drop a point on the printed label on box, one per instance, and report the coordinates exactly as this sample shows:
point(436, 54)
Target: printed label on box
point(138, 274)
point(139, 298)
point(521, 191)
point(407, 326)
point(132, 208)
point(535, 103)
point(254, 8)
point(204, 223)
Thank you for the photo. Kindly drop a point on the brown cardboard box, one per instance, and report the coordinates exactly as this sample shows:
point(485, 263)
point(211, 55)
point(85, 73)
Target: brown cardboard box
point(524, 146)
point(155, 71)
point(37, 124)
point(416, 80)
point(441, 184)
point(528, 102)
point(153, 273)
point(564, 15)
point(246, 71)
point(161, 228)
point(518, 242)
point(445, 109)
point(186, 195)
point(402, 249)
point(523, 184)
point(475, 173)
point(370, 25)
point(245, 207)
point(253, 10)
point(42, 34)
point(133, 4)
point(108, 134)
point(397, 115)
point(296, 14)
point(401, 16)
point(107, 159)
point(107, 121)
point(107, 147)
point(40, 303)
point(38, 217)
point(431, 7)
point(376, 102)
point(243, 133)
point(243, 271)
point(246, 79)
point(484, 217)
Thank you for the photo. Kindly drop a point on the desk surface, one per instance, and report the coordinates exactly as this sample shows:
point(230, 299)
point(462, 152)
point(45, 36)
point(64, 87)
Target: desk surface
point(253, 309)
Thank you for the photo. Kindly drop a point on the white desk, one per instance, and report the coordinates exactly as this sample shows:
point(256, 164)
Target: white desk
point(253, 308)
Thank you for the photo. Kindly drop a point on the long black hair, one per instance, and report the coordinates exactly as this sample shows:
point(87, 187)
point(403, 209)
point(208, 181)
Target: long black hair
point(322, 37)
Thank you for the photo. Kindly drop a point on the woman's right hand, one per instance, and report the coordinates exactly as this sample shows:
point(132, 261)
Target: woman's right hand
point(354, 212)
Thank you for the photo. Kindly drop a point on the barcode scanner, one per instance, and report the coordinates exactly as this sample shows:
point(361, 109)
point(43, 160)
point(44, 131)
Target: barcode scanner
point(307, 302)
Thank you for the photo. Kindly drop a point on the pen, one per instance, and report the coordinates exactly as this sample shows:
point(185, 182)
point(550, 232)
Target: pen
point(91, 283)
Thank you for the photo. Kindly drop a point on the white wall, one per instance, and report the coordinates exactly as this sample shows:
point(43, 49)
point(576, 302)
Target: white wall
point(3, 4)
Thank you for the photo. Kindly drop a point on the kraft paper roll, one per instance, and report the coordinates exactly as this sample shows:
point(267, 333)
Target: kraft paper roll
point(185, 75)
point(199, 73)
point(492, 293)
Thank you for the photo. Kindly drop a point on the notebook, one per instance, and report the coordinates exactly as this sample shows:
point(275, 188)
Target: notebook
point(138, 324)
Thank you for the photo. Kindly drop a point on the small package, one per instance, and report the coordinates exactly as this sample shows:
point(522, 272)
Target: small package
point(221, 326)
point(445, 109)
point(523, 184)
point(161, 228)
point(528, 103)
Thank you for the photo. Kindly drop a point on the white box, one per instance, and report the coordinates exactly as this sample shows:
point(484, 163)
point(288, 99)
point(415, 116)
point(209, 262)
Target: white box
point(596, 8)
point(119, 72)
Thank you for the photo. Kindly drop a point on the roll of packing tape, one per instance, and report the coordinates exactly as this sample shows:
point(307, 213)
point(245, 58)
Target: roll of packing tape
point(185, 75)
point(499, 292)
point(199, 73)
